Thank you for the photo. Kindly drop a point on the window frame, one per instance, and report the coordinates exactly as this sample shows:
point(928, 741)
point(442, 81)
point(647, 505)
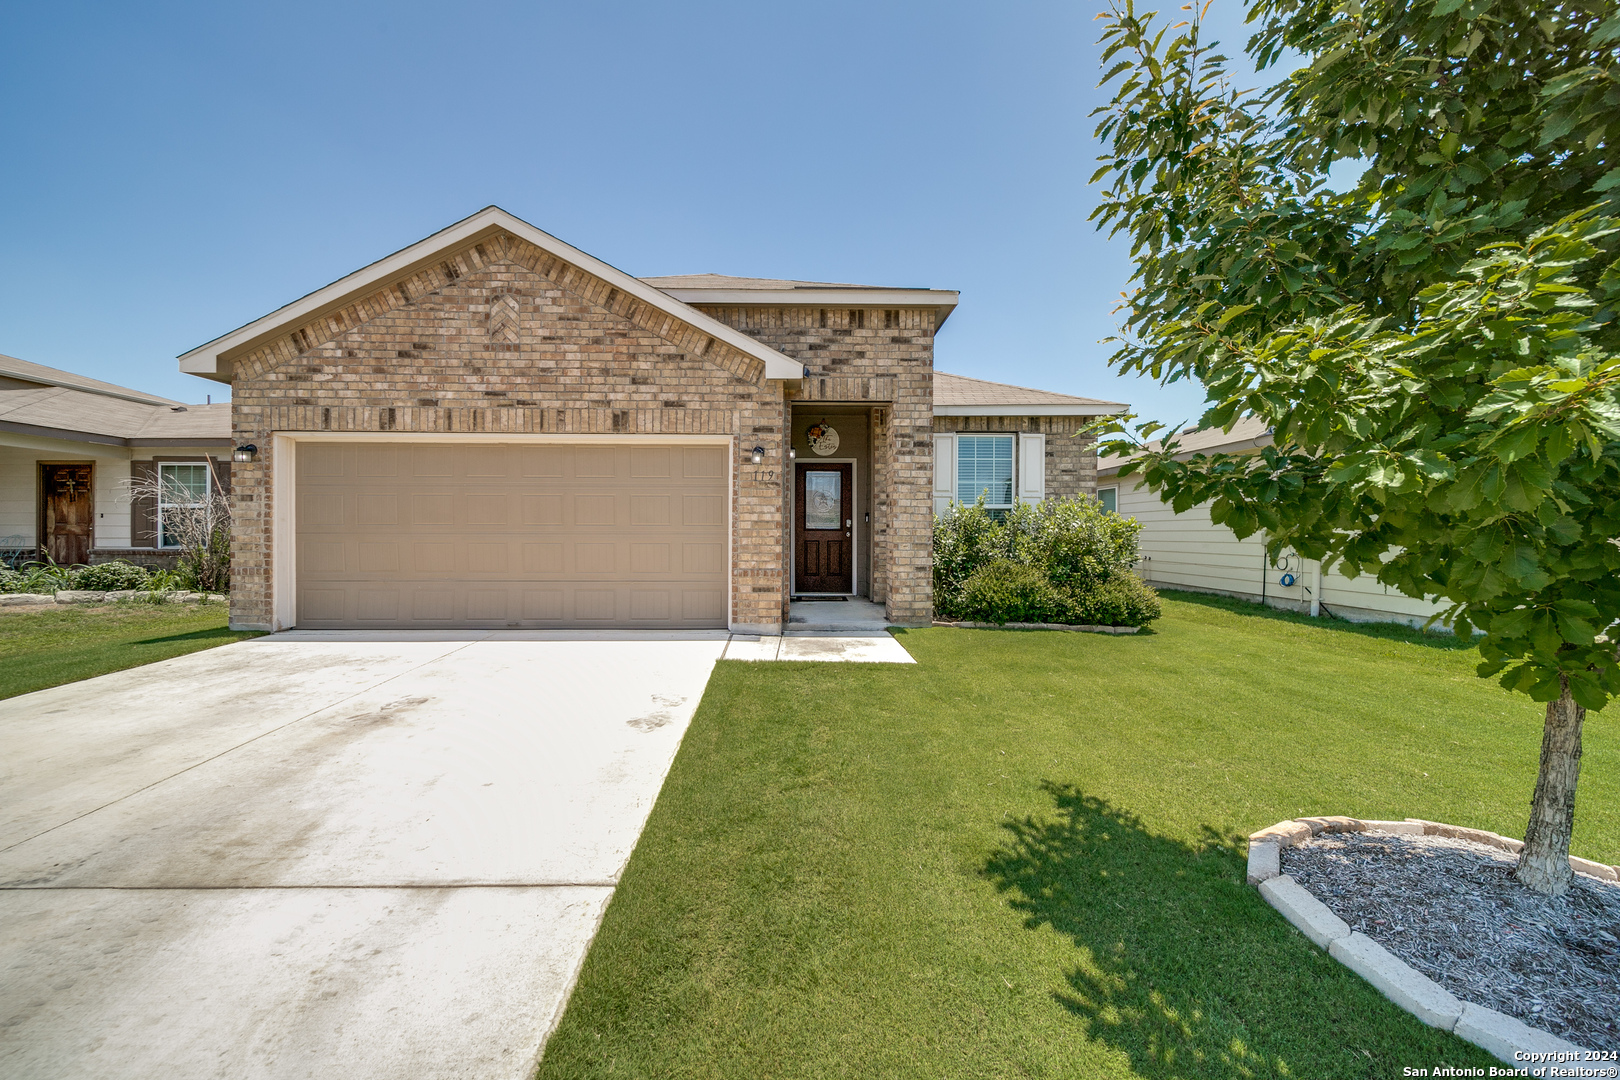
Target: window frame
point(1113, 489)
point(163, 501)
point(996, 508)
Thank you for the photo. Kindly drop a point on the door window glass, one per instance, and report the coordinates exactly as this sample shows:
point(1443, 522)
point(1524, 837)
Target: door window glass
point(823, 500)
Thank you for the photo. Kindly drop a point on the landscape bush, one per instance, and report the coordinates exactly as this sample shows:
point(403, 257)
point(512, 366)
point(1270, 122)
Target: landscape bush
point(112, 576)
point(1122, 600)
point(37, 577)
point(1003, 591)
point(1058, 561)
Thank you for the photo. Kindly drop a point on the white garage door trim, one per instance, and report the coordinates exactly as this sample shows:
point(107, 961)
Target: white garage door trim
point(284, 490)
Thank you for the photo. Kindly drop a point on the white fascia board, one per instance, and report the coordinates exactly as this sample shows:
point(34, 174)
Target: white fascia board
point(943, 299)
point(1100, 409)
point(205, 360)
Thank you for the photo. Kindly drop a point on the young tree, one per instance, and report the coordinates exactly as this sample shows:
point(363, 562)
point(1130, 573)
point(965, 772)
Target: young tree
point(197, 522)
point(1435, 350)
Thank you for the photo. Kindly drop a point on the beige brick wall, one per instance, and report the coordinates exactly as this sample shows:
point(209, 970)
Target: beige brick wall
point(503, 337)
point(884, 357)
point(1071, 461)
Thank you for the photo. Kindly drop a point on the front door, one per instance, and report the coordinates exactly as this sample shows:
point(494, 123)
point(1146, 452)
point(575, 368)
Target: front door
point(67, 513)
point(824, 551)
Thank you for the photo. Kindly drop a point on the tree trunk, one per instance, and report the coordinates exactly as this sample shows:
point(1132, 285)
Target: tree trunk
point(1544, 862)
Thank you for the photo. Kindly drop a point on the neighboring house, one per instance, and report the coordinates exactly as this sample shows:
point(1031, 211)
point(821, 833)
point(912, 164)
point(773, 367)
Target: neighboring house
point(68, 447)
point(1189, 551)
point(491, 428)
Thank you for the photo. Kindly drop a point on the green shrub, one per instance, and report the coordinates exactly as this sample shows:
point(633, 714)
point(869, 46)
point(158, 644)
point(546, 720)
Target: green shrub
point(38, 577)
point(1082, 553)
point(1003, 591)
point(964, 540)
point(110, 577)
point(1122, 600)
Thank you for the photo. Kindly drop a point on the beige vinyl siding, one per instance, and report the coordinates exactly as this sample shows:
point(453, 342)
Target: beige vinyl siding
point(1189, 551)
point(19, 511)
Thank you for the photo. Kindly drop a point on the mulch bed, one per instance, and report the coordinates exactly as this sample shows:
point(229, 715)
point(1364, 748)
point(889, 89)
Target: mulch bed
point(1451, 909)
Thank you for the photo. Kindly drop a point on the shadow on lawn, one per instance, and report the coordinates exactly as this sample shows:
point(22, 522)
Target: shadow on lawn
point(1168, 935)
point(1385, 631)
point(196, 635)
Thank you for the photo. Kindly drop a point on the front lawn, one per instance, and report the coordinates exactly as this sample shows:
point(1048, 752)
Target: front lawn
point(1023, 856)
point(66, 644)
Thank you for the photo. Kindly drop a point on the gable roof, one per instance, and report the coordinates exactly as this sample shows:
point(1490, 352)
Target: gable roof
point(722, 289)
point(213, 360)
point(45, 402)
point(27, 371)
point(958, 395)
point(1249, 433)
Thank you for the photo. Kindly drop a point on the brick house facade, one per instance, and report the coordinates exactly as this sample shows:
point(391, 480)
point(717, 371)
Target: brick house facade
point(426, 387)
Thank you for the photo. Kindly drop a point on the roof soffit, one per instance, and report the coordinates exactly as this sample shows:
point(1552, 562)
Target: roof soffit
point(433, 262)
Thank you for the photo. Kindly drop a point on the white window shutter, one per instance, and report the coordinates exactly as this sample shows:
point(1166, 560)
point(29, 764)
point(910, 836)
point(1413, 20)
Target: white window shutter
point(1031, 468)
point(944, 472)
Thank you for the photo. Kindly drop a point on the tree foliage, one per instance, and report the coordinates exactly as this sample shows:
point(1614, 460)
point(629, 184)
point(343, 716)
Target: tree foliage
point(1434, 350)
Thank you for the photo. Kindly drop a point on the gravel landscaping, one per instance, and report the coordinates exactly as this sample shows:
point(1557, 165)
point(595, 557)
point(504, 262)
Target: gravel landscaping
point(1450, 908)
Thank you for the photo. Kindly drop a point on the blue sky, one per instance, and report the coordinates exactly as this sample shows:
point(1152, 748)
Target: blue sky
point(175, 170)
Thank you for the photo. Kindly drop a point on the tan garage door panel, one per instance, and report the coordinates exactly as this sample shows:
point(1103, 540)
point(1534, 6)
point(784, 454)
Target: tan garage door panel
point(445, 535)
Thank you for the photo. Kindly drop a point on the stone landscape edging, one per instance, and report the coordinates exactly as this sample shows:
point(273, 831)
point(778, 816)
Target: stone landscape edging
point(1497, 1033)
point(1039, 626)
point(87, 596)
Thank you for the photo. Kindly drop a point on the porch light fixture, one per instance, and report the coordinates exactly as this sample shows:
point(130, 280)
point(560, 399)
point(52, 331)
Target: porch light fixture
point(244, 453)
point(757, 455)
point(792, 453)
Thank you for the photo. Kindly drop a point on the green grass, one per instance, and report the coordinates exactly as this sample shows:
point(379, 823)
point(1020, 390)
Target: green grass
point(48, 648)
point(1022, 857)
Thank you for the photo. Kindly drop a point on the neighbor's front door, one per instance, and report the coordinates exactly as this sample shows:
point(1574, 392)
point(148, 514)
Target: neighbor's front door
point(824, 551)
point(68, 514)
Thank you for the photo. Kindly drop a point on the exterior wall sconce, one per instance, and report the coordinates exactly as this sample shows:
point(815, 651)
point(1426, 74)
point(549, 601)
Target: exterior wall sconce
point(792, 453)
point(244, 453)
point(757, 455)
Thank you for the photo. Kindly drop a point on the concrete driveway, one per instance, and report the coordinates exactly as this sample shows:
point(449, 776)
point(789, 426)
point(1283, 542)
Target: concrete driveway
point(321, 855)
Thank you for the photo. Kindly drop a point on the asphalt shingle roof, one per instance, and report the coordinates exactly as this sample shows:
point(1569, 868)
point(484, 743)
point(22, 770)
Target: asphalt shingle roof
point(62, 401)
point(960, 390)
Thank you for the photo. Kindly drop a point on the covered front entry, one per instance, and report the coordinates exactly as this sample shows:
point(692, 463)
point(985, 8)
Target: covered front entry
point(626, 534)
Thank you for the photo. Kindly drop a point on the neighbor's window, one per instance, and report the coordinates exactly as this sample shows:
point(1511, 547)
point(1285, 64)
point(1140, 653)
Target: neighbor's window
point(1109, 497)
point(181, 486)
point(984, 466)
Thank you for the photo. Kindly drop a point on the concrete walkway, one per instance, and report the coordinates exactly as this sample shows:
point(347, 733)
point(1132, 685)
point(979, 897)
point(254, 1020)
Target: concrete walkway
point(322, 855)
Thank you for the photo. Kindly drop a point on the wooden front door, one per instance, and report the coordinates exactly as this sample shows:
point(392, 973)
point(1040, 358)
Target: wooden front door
point(68, 513)
point(824, 525)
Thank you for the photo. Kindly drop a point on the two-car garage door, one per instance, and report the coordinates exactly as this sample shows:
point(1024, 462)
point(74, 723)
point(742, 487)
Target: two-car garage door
point(407, 535)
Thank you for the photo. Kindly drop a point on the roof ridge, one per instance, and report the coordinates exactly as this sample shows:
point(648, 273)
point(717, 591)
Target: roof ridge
point(28, 371)
point(1028, 389)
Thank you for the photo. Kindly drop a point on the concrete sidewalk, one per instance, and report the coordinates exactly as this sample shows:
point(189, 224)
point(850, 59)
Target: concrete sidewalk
point(324, 854)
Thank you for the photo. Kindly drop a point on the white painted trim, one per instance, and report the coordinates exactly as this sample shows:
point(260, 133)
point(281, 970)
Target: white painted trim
point(854, 533)
point(284, 492)
point(1100, 409)
point(1031, 468)
point(284, 532)
point(944, 472)
point(205, 360)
